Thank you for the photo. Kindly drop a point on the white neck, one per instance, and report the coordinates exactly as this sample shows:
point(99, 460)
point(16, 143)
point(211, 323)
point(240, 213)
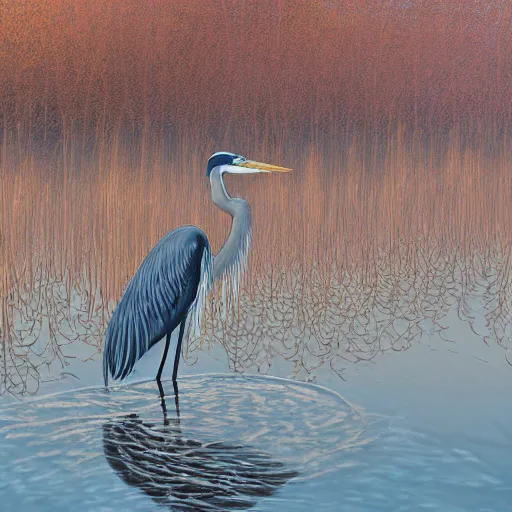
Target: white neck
point(231, 260)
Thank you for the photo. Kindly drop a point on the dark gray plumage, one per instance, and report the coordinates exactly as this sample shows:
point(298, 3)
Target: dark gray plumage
point(157, 298)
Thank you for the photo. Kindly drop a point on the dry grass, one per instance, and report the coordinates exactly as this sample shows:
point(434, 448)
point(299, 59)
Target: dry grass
point(283, 68)
point(335, 209)
point(333, 246)
point(395, 118)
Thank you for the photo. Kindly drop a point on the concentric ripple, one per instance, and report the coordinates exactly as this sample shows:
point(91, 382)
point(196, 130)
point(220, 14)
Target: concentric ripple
point(238, 440)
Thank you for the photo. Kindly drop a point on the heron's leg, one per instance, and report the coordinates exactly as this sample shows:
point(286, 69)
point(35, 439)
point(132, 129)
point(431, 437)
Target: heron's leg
point(162, 364)
point(162, 402)
point(178, 351)
point(164, 405)
point(159, 374)
point(176, 399)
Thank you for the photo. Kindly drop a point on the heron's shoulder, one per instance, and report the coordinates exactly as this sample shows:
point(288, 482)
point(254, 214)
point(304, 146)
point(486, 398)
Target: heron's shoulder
point(185, 236)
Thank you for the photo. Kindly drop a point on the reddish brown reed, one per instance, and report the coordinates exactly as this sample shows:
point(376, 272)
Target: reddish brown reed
point(288, 68)
point(396, 118)
point(101, 223)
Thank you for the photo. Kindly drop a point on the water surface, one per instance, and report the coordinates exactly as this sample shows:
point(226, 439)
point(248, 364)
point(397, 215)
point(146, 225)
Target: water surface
point(238, 441)
point(420, 429)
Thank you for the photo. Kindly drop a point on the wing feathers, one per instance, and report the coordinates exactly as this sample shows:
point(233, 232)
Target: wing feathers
point(161, 291)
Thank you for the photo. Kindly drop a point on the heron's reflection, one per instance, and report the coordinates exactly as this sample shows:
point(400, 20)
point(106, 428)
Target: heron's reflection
point(187, 474)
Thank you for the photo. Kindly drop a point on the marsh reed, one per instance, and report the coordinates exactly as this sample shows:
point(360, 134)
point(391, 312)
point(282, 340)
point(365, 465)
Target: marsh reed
point(396, 121)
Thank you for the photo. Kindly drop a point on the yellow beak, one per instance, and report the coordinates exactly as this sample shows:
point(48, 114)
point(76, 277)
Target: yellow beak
point(264, 167)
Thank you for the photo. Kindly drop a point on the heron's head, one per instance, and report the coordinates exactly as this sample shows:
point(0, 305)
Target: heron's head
point(236, 164)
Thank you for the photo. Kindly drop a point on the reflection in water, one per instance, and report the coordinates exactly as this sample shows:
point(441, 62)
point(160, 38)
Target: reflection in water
point(59, 453)
point(238, 440)
point(331, 316)
point(187, 474)
point(327, 317)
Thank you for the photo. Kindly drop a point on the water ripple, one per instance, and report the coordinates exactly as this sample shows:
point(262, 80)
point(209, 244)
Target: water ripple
point(238, 440)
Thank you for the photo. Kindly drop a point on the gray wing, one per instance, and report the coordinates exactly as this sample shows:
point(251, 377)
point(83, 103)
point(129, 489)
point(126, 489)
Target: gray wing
point(156, 299)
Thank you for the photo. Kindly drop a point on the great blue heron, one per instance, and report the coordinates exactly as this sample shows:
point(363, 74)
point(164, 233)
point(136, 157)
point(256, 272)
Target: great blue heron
point(172, 282)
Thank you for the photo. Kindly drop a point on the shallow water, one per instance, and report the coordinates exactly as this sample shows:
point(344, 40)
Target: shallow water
point(237, 440)
point(425, 428)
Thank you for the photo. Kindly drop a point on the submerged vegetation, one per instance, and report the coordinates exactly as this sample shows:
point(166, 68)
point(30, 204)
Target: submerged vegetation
point(396, 118)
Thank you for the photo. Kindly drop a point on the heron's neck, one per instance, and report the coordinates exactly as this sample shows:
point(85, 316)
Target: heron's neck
point(232, 257)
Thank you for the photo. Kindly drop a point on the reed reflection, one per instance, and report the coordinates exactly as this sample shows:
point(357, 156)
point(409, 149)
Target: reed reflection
point(313, 317)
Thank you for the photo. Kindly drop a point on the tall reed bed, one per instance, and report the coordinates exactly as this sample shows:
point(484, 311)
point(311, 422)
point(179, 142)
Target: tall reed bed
point(289, 67)
point(99, 223)
point(395, 116)
point(330, 231)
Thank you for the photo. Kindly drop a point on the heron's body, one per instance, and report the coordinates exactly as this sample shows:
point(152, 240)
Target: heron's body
point(159, 297)
point(171, 284)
